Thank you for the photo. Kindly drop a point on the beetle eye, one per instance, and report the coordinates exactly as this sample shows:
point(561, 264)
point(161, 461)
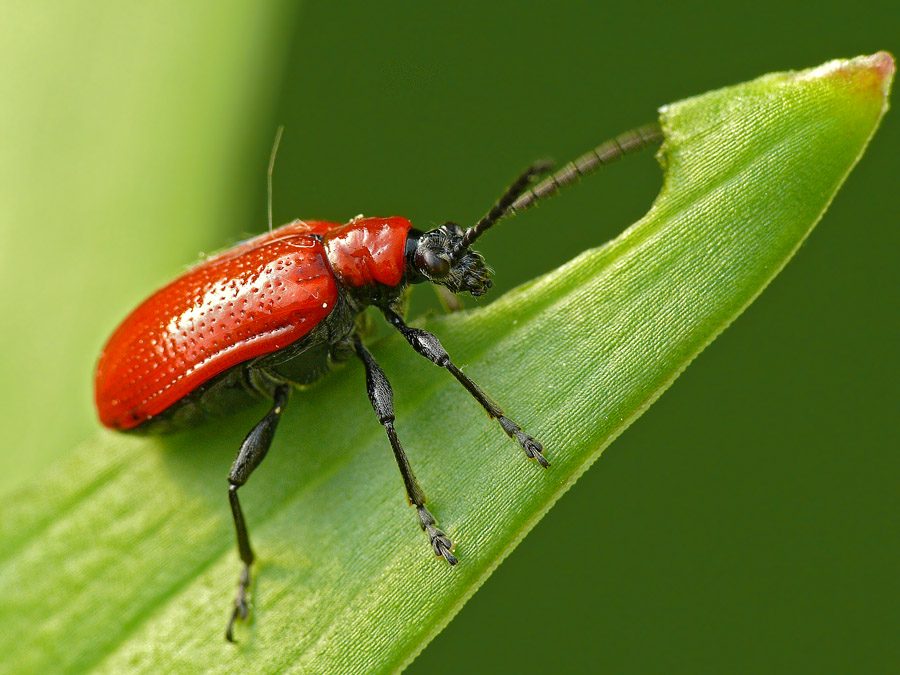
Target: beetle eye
point(432, 264)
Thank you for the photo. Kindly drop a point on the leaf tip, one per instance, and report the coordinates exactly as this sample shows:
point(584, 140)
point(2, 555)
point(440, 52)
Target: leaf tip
point(884, 63)
point(875, 72)
point(870, 75)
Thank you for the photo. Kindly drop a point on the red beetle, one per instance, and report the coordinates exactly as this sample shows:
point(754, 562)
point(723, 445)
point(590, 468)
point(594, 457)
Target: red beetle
point(280, 309)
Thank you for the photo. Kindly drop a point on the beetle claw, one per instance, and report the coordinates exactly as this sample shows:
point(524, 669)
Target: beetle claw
point(241, 604)
point(440, 542)
point(532, 447)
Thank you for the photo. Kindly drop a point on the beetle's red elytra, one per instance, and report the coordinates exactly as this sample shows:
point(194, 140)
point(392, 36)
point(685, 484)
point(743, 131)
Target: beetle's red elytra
point(249, 301)
point(278, 311)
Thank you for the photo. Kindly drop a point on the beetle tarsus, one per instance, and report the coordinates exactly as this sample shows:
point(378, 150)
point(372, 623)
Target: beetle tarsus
point(532, 447)
point(439, 541)
point(241, 603)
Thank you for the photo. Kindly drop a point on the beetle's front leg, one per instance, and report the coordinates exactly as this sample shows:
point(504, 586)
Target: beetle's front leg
point(252, 453)
point(427, 344)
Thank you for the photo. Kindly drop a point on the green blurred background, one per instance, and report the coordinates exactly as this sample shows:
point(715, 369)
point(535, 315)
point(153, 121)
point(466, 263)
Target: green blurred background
point(746, 523)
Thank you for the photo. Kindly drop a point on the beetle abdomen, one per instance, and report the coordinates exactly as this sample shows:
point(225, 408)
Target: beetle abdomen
point(249, 301)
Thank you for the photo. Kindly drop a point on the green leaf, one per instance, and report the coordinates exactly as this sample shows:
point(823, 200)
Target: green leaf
point(113, 162)
point(122, 557)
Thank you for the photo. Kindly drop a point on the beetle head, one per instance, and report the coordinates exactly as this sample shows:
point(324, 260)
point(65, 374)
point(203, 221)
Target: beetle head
point(436, 256)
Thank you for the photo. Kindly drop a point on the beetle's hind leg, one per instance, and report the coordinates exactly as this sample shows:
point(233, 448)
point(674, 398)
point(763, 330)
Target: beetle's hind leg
point(382, 397)
point(252, 453)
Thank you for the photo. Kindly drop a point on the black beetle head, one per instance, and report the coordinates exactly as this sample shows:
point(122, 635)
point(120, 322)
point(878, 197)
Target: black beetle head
point(435, 256)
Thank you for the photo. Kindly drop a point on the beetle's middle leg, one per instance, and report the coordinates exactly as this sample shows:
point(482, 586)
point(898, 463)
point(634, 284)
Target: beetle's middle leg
point(382, 397)
point(252, 453)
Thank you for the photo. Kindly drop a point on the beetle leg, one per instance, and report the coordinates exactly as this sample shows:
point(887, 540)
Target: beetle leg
point(252, 453)
point(427, 344)
point(382, 397)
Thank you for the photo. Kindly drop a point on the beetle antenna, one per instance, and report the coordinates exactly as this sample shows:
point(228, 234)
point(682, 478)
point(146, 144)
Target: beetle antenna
point(503, 204)
point(271, 170)
point(521, 196)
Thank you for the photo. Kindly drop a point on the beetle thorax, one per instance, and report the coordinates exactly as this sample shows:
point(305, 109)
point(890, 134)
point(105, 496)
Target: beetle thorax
point(367, 252)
